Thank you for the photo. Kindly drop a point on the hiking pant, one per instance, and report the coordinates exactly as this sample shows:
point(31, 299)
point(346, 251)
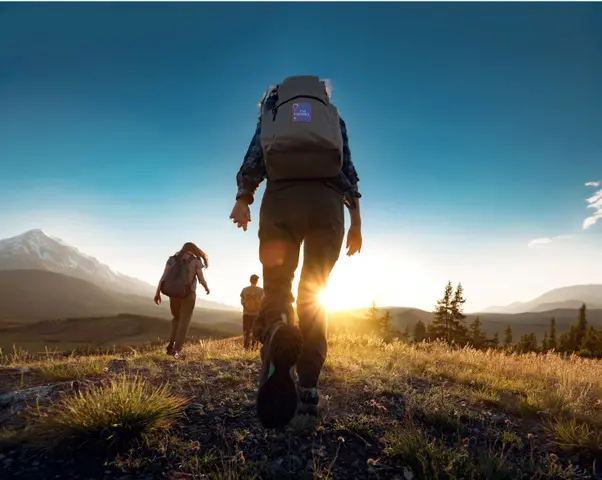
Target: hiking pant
point(294, 213)
point(248, 321)
point(181, 312)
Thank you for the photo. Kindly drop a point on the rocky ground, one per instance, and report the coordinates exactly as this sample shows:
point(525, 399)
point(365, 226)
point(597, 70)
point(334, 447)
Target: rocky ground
point(387, 411)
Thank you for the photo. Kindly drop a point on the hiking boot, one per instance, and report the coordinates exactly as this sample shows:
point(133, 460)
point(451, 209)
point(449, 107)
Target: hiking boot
point(169, 350)
point(309, 401)
point(277, 395)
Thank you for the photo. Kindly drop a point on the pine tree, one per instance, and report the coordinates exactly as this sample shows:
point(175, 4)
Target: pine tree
point(527, 343)
point(495, 340)
point(552, 343)
point(373, 318)
point(508, 337)
point(460, 330)
point(590, 343)
point(440, 327)
point(477, 338)
point(386, 325)
point(419, 331)
point(405, 336)
point(448, 323)
point(581, 327)
point(545, 344)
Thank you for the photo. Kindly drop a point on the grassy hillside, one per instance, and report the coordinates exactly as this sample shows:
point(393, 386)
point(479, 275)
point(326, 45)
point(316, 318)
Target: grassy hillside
point(388, 411)
point(99, 332)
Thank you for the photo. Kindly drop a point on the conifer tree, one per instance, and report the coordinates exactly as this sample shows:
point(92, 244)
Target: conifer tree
point(581, 327)
point(508, 337)
point(419, 331)
point(552, 343)
point(477, 338)
point(448, 323)
point(495, 340)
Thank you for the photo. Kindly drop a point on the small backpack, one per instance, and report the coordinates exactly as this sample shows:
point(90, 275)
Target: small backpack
point(301, 135)
point(252, 299)
point(176, 283)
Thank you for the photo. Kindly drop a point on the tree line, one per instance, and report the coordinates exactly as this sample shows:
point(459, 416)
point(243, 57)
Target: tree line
point(449, 325)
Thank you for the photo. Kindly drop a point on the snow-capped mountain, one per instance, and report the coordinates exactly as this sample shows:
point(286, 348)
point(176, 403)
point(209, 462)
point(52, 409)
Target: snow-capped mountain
point(36, 250)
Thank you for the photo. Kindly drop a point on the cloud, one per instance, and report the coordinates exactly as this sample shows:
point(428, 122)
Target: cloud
point(538, 242)
point(592, 184)
point(595, 203)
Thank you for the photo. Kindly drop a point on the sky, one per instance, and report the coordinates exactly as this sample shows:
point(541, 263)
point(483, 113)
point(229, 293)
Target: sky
point(475, 130)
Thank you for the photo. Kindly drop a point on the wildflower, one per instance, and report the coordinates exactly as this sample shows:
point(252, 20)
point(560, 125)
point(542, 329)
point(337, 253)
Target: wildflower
point(530, 436)
point(371, 461)
point(195, 446)
point(341, 440)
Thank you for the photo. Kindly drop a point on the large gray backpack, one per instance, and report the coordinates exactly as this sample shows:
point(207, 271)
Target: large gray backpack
point(176, 283)
point(301, 136)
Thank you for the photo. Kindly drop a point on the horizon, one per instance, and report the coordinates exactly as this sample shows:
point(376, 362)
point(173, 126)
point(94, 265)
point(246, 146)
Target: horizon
point(481, 167)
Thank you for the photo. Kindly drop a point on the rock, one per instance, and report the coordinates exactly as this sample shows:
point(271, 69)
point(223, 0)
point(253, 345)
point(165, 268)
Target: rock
point(12, 403)
point(117, 365)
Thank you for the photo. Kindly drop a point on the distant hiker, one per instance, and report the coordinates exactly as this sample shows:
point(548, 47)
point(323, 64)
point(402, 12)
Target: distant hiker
point(178, 282)
point(250, 299)
point(301, 146)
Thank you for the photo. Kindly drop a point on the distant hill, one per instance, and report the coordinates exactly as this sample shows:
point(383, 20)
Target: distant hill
point(36, 250)
point(125, 329)
point(521, 323)
point(560, 298)
point(30, 296)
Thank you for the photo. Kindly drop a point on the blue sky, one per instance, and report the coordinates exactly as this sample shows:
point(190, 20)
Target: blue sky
point(474, 128)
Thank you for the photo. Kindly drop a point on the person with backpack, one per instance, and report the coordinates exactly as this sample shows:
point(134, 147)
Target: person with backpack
point(178, 282)
point(250, 299)
point(301, 146)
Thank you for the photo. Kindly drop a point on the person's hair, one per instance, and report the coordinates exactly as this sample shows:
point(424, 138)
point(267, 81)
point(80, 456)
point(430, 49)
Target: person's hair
point(191, 248)
point(254, 278)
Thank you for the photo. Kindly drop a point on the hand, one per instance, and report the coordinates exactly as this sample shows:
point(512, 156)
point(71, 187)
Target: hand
point(241, 214)
point(207, 291)
point(158, 299)
point(354, 240)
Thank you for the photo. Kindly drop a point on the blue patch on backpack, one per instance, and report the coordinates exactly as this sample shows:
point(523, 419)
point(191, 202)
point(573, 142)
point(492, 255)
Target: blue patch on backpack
point(301, 112)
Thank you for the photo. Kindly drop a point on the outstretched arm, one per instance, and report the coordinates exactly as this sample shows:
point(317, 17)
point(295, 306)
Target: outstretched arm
point(252, 171)
point(348, 168)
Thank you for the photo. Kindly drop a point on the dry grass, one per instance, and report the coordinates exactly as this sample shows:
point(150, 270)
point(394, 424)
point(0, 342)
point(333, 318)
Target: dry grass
point(427, 407)
point(108, 417)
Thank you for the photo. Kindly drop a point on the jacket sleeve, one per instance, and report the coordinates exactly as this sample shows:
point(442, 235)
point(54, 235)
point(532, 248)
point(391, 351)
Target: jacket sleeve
point(252, 171)
point(348, 167)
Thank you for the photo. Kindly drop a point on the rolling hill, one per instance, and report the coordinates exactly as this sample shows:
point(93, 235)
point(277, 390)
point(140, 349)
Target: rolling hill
point(560, 298)
point(521, 323)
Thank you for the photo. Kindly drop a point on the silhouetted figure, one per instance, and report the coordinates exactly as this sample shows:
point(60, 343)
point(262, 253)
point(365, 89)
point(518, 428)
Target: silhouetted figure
point(301, 146)
point(250, 299)
point(178, 282)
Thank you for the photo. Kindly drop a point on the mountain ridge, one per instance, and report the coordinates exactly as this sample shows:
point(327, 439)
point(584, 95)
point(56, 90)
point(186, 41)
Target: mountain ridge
point(37, 250)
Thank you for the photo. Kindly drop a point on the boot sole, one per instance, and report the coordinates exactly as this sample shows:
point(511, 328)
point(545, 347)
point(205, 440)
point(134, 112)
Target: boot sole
point(277, 397)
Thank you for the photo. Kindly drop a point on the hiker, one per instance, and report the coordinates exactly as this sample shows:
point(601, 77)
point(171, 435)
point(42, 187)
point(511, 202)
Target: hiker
point(250, 299)
point(178, 282)
point(301, 146)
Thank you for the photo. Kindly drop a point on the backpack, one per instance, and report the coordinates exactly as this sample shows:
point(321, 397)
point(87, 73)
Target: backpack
point(252, 299)
point(301, 135)
point(176, 283)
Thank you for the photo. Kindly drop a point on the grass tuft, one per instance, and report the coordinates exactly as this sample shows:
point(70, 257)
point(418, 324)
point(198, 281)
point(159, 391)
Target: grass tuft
point(109, 417)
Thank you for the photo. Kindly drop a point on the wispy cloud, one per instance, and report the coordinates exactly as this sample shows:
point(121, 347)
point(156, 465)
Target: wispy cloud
point(595, 203)
point(539, 242)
